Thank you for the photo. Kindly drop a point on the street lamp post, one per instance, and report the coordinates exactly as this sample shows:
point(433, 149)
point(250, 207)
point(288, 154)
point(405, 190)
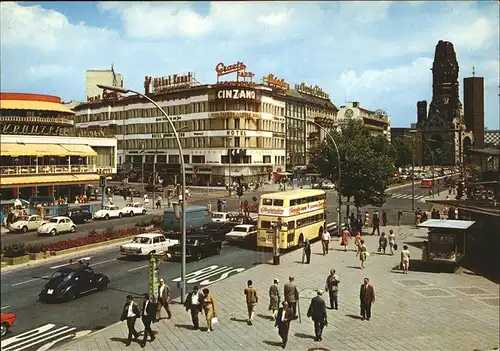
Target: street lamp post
point(143, 145)
point(183, 170)
point(230, 154)
point(340, 174)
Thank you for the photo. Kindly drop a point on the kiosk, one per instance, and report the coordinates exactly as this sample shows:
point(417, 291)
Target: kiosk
point(447, 240)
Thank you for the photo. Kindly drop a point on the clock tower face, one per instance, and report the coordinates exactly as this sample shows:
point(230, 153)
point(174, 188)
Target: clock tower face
point(349, 113)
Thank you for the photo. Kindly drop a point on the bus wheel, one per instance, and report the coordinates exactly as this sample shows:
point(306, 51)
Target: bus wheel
point(301, 241)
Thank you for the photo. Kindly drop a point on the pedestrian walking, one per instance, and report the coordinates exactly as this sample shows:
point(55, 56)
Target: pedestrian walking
point(332, 286)
point(352, 221)
point(274, 298)
point(164, 296)
point(367, 219)
point(392, 241)
point(382, 243)
point(283, 320)
point(146, 201)
point(158, 203)
point(346, 235)
point(291, 295)
point(251, 299)
point(148, 317)
point(325, 241)
point(317, 311)
point(400, 216)
point(376, 223)
point(193, 303)
point(306, 252)
point(384, 218)
point(209, 308)
point(130, 313)
point(405, 259)
point(362, 252)
point(246, 211)
point(367, 298)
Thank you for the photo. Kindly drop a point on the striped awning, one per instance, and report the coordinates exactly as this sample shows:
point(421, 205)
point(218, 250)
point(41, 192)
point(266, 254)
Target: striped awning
point(10, 181)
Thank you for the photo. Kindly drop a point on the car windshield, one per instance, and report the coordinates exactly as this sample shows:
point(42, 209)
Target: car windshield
point(60, 274)
point(129, 205)
point(193, 242)
point(23, 219)
point(107, 208)
point(239, 229)
point(217, 215)
point(54, 220)
point(141, 240)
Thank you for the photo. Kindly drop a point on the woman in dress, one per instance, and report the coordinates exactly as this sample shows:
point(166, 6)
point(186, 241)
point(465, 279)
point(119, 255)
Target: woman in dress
point(392, 241)
point(382, 243)
point(274, 298)
point(346, 235)
point(209, 308)
point(362, 252)
point(405, 259)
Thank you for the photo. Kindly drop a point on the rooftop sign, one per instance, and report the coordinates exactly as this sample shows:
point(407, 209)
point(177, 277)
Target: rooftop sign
point(241, 74)
point(112, 95)
point(310, 90)
point(164, 84)
point(273, 82)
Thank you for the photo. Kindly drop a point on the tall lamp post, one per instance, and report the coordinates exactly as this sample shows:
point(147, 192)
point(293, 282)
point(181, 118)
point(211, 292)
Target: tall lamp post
point(183, 170)
point(340, 173)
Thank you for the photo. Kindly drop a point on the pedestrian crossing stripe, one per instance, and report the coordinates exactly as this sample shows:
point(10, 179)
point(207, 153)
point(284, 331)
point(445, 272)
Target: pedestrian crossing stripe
point(406, 196)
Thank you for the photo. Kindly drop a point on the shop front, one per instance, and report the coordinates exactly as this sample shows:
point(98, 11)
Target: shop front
point(447, 240)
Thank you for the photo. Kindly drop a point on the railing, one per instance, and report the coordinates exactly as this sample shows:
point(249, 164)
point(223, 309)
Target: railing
point(53, 169)
point(38, 120)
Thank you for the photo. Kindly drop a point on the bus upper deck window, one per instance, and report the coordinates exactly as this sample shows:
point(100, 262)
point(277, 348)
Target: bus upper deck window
point(267, 202)
point(293, 202)
point(278, 202)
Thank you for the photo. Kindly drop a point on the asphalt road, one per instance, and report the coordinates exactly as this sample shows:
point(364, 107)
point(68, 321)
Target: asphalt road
point(20, 290)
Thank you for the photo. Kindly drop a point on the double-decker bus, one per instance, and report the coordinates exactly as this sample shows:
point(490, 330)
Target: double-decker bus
point(302, 214)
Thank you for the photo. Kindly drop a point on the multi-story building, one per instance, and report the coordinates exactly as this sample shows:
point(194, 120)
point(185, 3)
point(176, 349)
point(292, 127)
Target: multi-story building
point(378, 122)
point(100, 76)
point(227, 129)
point(43, 154)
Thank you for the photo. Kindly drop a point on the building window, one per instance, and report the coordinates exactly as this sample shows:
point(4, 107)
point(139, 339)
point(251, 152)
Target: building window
point(198, 159)
point(237, 142)
point(224, 159)
point(237, 123)
point(266, 159)
point(173, 159)
point(186, 158)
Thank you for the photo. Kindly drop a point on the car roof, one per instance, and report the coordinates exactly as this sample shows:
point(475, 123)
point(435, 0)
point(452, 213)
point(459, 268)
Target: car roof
point(244, 225)
point(60, 217)
point(149, 235)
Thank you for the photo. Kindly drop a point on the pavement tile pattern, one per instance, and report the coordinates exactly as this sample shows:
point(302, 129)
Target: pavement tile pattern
point(418, 311)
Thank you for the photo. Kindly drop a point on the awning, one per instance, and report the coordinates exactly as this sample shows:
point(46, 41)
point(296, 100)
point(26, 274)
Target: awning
point(79, 150)
point(11, 149)
point(44, 150)
point(47, 179)
point(34, 105)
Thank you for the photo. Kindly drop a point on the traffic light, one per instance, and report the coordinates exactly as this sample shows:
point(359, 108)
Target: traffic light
point(239, 191)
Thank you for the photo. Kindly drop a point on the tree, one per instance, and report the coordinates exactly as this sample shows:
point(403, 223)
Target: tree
point(404, 151)
point(366, 161)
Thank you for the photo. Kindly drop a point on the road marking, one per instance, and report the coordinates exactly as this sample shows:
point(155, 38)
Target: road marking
point(137, 268)
point(201, 276)
point(98, 263)
point(29, 338)
point(4, 307)
point(72, 262)
point(30, 280)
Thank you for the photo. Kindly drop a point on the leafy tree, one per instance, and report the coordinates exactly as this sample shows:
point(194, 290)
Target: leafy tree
point(404, 151)
point(366, 161)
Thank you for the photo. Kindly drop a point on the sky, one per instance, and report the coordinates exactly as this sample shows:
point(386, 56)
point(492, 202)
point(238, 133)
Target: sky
point(376, 53)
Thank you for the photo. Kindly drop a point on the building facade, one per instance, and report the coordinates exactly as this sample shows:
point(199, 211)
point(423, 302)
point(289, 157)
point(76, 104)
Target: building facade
point(104, 77)
point(378, 122)
point(227, 129)
point(43, 154)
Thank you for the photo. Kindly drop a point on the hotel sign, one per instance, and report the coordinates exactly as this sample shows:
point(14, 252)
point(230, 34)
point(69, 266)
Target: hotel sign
point(32, 129)
point(310, 90)
point(273, 82)
point(236, 94)
point(165, 84)
point(112, 95)
point(240, 69)
point(247, 115)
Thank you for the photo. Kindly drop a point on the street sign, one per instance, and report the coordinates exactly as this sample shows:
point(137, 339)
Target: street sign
point(102, 181)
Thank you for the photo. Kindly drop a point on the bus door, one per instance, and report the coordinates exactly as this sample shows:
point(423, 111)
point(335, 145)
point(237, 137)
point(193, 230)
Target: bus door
point(290, 238)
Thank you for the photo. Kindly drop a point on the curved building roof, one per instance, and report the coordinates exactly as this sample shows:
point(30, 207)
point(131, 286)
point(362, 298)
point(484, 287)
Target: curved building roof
point(36, 102)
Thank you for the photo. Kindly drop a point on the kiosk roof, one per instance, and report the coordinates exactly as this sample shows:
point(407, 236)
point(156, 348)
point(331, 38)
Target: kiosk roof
point(447, 224)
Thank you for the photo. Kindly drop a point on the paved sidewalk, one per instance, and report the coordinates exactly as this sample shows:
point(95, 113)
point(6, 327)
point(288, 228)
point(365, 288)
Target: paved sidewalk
point(418, 311)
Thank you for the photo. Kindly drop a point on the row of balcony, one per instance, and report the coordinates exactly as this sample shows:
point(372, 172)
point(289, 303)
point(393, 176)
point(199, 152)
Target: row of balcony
point(38, 120)
point(53, 169)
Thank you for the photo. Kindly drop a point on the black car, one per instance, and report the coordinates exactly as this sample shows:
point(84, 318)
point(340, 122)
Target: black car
point(218, 230)
point(236, 219)
point(197, 247)
point(79, 215)
point(67, 283)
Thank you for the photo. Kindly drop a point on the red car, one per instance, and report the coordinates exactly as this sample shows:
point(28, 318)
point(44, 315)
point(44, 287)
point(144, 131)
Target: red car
point(8, 320)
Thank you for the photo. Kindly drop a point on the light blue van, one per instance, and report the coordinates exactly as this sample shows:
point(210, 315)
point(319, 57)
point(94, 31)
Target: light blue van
point(196, 217)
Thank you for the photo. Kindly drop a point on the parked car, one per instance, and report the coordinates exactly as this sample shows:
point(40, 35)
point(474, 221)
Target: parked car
point(79, 215)
point(7, 322)
point(197, 247)
point(67, 283)
point(26, 224)
point(239, 218)
point(56, 225)
point(108, 211)
point(243, 233)
point(132, 209)
point(146, 244)
point(324, 184)
point(217, 231)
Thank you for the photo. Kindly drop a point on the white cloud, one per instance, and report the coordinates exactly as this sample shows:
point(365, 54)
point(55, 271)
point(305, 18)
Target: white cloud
point(274, 19)
point(48, 71)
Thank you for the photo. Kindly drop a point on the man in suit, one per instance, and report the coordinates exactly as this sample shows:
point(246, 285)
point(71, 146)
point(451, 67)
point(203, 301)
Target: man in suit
point(376, 223)
point(163, 299)
point(291, 295)
point(332, 286)
point(194, 301)
point(283, 320)
point(148, 316)
point(130, 313)
point(367, 298)
point(317, 311)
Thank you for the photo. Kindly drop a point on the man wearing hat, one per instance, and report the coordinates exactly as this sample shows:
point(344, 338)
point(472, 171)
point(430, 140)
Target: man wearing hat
point(317, 311)
point(163, 299)
point(131, 312)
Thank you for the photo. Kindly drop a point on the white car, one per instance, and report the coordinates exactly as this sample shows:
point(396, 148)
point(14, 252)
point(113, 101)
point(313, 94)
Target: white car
point(221, 217)
point(26, 224)
point(57, 225)
point(241, 232)
point(133, 209)
point(108, 211)
point(145, 244)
